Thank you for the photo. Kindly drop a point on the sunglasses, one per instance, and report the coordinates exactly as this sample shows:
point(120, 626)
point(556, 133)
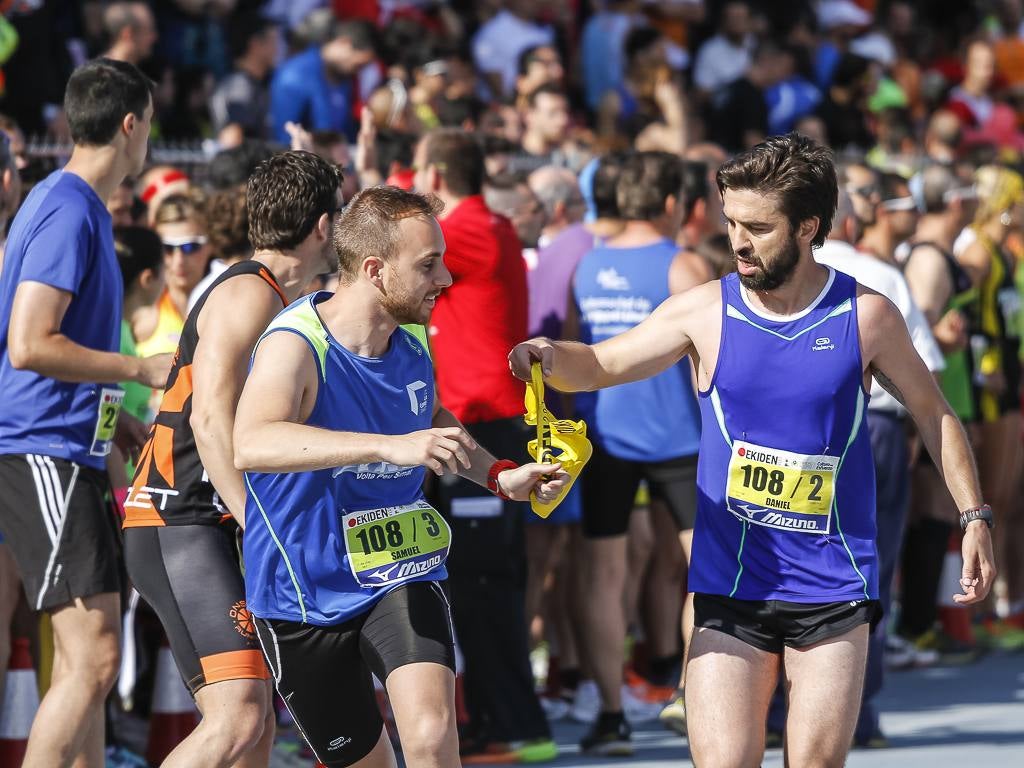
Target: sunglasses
point(899, 204)
point(187, 246)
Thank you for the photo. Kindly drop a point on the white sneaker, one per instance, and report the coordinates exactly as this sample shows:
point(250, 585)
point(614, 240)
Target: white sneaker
point(587, 702)
point(899, 653)
point(554, 709)
point(636, 709)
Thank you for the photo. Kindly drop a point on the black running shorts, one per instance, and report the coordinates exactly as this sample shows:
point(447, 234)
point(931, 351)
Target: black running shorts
point(62, 530)
point(190, 575)
point(324, 673)
point(771, 625)
point(610, 485)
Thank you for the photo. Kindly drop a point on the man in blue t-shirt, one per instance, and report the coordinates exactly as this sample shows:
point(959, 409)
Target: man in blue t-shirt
point(60, 317)
point(317, 88)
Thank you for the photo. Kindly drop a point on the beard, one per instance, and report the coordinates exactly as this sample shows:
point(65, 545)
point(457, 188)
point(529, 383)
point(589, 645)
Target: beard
point(404, 308)
point(775, 274)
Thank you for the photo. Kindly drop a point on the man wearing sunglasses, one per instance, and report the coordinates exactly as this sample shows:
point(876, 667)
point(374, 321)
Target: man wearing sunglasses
point(187, 500)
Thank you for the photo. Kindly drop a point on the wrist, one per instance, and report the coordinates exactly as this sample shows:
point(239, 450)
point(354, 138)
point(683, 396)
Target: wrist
point(493, 485)
point(982, 514)
point(382, 447)
point(133, 369)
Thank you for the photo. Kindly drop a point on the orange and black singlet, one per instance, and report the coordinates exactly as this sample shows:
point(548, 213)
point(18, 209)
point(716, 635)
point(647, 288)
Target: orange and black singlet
point(171, 486)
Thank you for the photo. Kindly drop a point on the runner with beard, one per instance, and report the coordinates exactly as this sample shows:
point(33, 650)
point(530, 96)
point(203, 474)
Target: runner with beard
point(187, 500)
point(784, 565)
point(336, 427)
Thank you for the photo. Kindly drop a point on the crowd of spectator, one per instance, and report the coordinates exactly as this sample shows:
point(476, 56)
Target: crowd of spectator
point(568, 141)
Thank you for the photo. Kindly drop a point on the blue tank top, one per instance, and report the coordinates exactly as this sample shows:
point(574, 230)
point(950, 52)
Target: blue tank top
point(322, 547)
point(616, 289)
point(786, 482)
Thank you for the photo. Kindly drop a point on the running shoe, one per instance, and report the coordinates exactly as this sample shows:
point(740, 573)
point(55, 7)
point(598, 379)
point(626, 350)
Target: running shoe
point(610, 736)
point(951, 652)
point(901, 653)
point(999, 635)
point(488, 753)
point(648, 691)
point(554, 709)
point(587, 702)
point(673, 716)
point(638, 710)
point(876, 740)
point(535, 750)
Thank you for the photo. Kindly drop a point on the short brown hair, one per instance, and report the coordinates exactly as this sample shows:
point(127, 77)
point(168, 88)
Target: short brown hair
point(190, 206)
point(795, 169)
point(459, 159)
point(286, 195)
point(369, 224)
point(229, 223)
point(647, 180)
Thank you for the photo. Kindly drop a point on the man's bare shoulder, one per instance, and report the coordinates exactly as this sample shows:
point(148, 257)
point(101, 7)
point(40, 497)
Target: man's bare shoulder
point(703, 298)
point(242, 301)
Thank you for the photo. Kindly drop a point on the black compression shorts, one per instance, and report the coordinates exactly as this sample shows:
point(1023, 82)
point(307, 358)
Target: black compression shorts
point(324, 673)
point(610, 485)
point(190, 575)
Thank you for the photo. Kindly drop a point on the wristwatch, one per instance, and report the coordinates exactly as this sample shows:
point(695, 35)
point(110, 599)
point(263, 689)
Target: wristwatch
point(984, 512)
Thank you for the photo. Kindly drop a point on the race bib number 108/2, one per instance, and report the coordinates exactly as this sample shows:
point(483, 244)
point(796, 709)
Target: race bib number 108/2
point(781, 489)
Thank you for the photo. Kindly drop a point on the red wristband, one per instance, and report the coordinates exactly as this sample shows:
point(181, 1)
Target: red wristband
point(492, 476)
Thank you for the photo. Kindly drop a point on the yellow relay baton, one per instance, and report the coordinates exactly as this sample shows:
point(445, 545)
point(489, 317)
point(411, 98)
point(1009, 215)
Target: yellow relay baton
point(558, 441)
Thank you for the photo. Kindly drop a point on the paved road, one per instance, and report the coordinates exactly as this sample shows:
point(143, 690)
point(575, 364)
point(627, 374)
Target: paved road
point(953, 717)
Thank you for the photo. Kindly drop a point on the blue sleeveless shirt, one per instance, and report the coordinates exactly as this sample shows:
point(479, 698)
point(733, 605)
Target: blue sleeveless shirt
point(786, 482)
point(614, 290)
point(322, 547)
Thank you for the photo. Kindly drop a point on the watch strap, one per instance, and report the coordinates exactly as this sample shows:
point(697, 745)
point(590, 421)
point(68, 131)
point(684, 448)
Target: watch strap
point(968, 516)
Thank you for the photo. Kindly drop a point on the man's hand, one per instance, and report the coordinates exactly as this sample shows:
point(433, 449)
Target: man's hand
point(979, 565)
point(301, 139)
point(437, 449)
point(153, 370)
point(130, 435)
point(546, 481)
point(523, 356)
point(951, 331)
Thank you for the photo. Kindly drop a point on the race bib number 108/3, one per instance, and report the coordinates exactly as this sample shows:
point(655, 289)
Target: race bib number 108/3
point(781, 489)
point(393, 544)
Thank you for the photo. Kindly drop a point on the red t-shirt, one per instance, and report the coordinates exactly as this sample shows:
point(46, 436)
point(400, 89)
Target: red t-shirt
point(478, 320)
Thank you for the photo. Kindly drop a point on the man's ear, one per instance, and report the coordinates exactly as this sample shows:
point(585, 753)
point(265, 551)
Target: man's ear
point(808, 228)
point(372, 268)
point(147, 278)
point(670, 204)
point(128, 124)
point(323, 226)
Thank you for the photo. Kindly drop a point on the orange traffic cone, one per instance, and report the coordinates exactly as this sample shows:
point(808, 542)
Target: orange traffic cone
point(21, 700)
point(173, 714)
point(955, 618)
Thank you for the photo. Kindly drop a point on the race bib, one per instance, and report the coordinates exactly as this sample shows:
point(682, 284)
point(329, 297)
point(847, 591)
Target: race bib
point(780, 489)
point(106, 420)
point(392, 544)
